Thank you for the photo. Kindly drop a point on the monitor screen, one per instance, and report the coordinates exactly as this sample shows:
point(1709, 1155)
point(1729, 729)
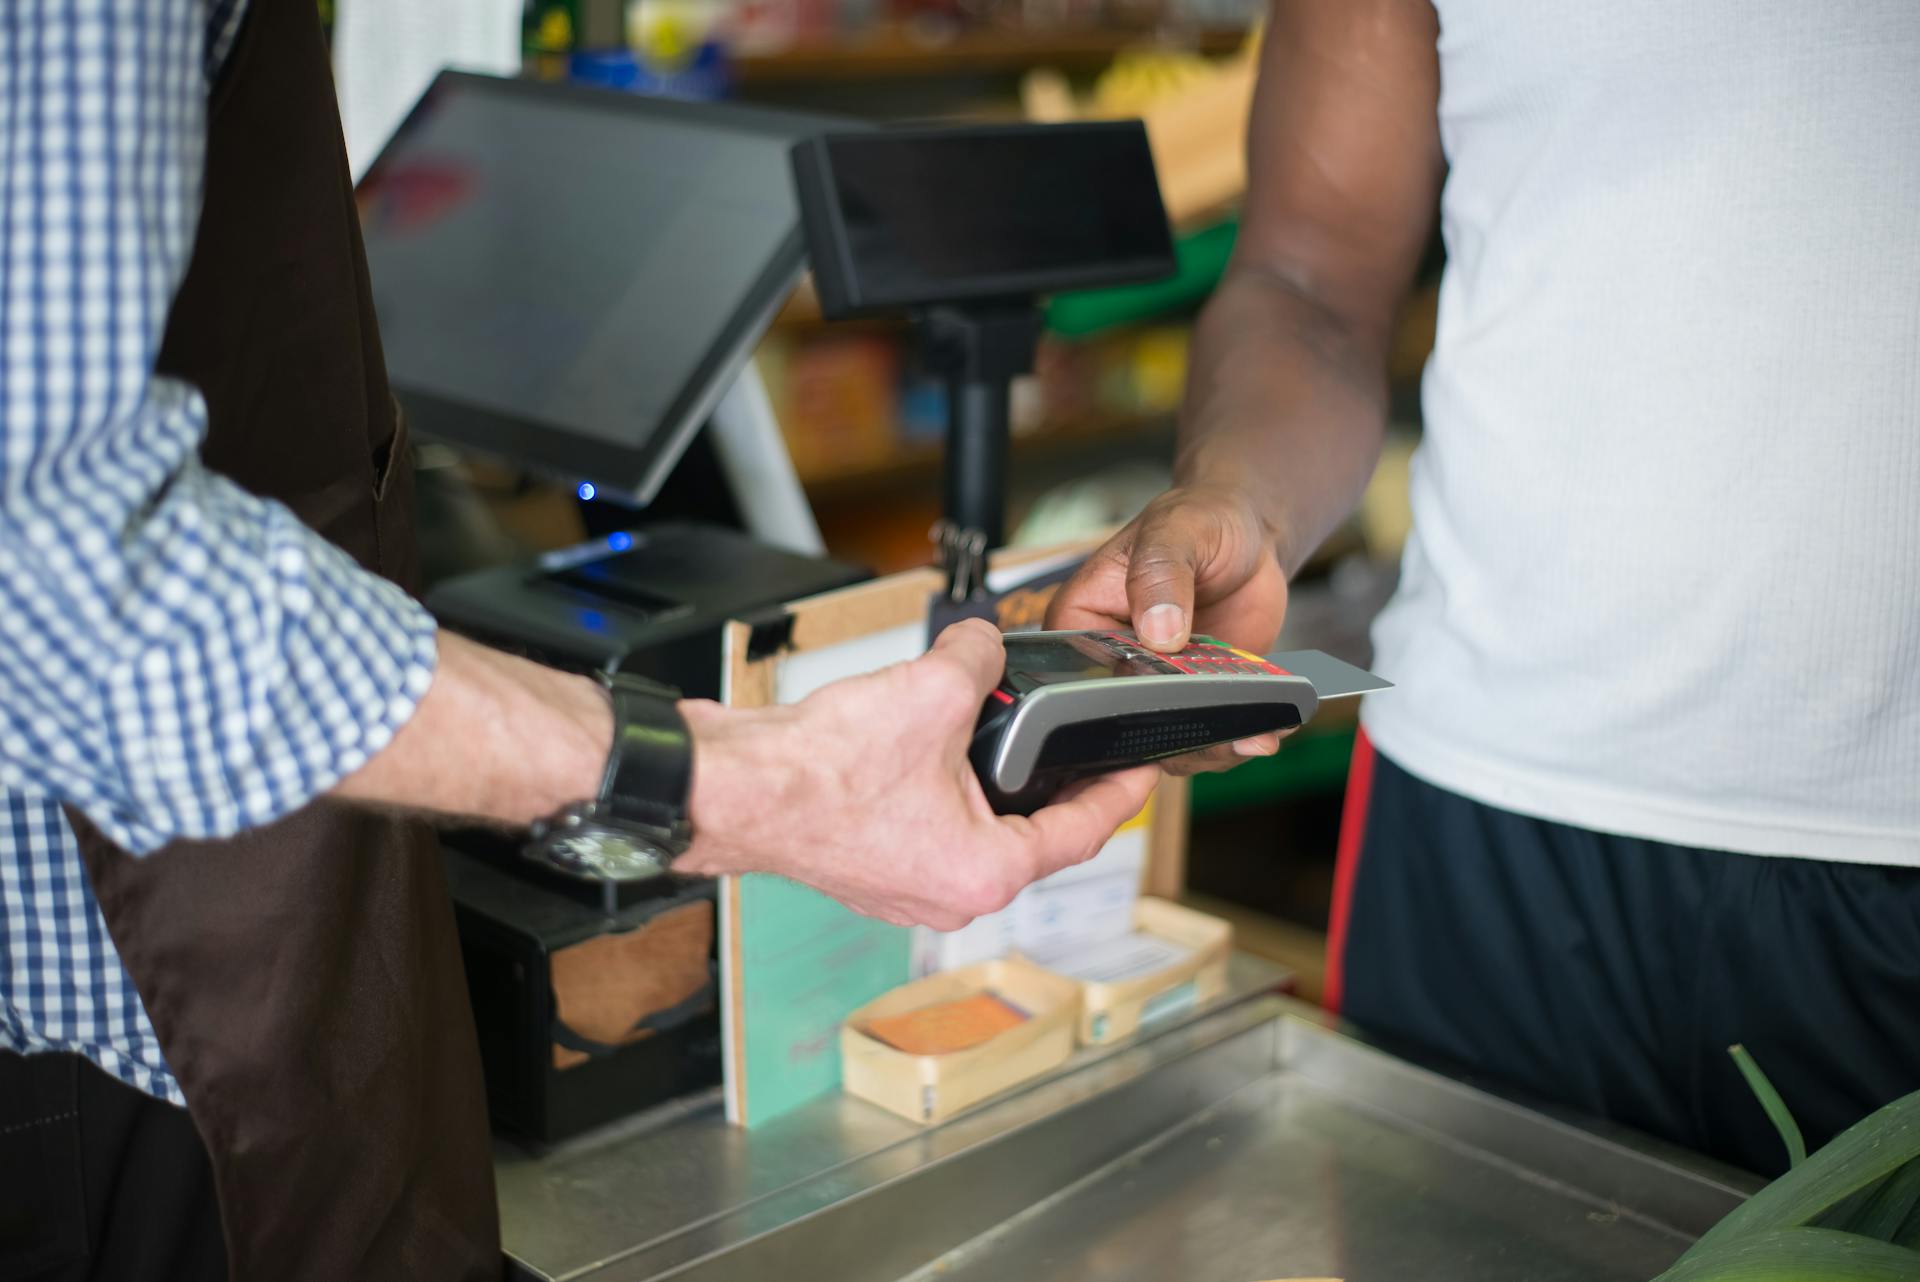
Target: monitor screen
point(905, 218)
point(570, 277)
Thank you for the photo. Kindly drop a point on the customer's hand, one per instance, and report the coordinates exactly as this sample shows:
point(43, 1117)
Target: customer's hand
point(863, 790)
point(1198, 560)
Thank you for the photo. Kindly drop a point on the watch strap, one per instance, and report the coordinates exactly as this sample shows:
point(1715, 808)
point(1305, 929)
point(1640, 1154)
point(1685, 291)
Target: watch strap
point(649, 774)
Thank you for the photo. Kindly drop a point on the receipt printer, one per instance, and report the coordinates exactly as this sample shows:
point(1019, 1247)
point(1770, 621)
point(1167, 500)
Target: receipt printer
point(655, 606)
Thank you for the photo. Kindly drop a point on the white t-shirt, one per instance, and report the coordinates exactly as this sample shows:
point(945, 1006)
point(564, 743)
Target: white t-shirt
point(1665, 572)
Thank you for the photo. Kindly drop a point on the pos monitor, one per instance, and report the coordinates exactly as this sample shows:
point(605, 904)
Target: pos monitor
point(906, 218)
point(572, 278)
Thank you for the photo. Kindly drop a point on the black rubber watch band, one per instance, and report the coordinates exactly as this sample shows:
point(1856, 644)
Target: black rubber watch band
point(650, 768)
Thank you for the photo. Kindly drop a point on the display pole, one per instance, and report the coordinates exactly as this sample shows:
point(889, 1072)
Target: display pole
point(979, 350)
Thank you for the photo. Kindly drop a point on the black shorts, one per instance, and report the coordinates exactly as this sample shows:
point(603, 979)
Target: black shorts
point(1610, 974)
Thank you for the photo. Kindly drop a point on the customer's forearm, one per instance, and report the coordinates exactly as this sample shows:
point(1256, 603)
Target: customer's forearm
point(495, 738)
point(1286, 403)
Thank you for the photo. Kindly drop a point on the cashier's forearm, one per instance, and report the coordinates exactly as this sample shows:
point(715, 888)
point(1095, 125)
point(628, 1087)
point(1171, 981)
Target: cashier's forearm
point(1286, 404)
point(495, 738)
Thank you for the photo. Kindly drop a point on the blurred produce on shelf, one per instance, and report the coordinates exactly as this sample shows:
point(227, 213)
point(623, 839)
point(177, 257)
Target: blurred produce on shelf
point(837, 397)
point(1195, 111)
point(1140, 78)
point(670, 48)
point(1084, 509)
point(895, 36)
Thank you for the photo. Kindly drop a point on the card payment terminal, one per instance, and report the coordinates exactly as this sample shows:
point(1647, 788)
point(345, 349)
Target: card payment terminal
point(1074, 704)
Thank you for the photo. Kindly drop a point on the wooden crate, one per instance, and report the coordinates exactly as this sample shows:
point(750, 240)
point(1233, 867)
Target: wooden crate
point(1109, 1012)
point(932, 1088)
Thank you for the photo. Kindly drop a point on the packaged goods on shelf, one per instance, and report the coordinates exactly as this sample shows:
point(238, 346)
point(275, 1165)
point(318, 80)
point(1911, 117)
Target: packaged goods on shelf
point(837, 398)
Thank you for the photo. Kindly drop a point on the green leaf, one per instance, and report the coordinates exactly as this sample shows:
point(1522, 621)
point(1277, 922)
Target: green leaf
point(1777, 1110)
point(1842, 1214)
point(1889, 1205)
point(1908, 1234)
point(1798, 1255)
point(1861, 1155)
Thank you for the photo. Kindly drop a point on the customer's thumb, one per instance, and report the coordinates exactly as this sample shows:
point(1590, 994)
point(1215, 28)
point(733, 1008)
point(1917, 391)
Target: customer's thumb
point(1160, 575)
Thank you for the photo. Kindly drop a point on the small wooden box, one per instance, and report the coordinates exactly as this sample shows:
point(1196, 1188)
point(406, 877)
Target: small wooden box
point(1111, 1011)
point(932, 1088)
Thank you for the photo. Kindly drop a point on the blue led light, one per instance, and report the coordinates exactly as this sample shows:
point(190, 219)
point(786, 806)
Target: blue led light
point(620, 542)
point(586, 490)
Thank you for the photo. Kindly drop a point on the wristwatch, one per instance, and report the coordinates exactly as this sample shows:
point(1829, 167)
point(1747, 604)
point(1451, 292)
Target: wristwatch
point(636, 825)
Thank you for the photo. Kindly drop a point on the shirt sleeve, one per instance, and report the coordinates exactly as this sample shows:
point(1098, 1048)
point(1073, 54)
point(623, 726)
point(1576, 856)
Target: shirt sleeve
point(178, 658)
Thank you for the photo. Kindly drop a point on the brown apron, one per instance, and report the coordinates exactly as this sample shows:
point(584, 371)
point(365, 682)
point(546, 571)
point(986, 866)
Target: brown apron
point(305, 978)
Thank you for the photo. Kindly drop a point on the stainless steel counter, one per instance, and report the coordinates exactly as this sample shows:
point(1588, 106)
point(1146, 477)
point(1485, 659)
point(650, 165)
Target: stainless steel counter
point(1251, 1141)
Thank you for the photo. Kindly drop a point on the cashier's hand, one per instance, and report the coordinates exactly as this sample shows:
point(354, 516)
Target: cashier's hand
point(864, 791)
point(1199, 560)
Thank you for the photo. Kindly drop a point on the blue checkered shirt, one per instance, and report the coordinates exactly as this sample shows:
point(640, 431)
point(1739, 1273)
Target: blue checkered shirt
point(177, 657)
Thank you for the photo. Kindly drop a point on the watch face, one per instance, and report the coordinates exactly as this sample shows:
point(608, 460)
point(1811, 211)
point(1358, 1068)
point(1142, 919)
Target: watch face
point(601, 854)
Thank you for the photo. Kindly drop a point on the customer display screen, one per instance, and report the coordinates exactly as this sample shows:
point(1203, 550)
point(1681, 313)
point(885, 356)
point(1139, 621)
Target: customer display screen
point(567, 276)
point(1048, 658)
point(923, 216)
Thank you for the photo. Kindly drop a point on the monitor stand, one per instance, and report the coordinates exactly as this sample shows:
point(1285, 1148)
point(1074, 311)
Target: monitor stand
point(979, 348)
point(753, 455)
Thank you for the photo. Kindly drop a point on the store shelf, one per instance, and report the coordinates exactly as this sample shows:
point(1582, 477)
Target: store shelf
point(908, 462)
point(895, 53)
point(920, 462)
